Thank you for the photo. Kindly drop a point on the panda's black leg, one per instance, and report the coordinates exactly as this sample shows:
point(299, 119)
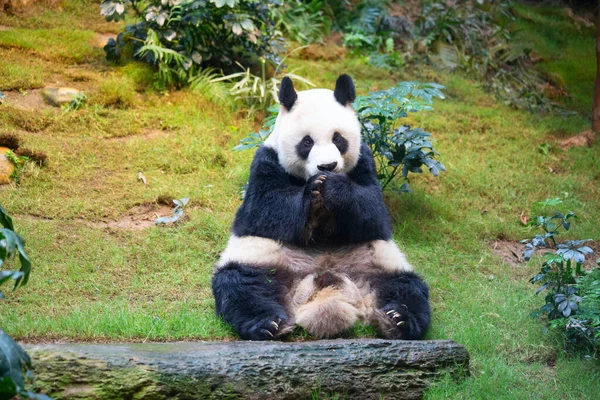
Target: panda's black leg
point(403, 306)
point(248, 299)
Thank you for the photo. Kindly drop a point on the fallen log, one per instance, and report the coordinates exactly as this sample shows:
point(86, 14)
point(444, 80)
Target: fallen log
point(352, 368)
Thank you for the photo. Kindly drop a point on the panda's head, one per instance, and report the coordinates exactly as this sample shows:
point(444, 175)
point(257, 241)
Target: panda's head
point(316, 130)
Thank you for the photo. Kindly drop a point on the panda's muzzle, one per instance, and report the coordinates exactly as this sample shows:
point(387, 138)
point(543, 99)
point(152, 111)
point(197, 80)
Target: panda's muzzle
point(327, 167)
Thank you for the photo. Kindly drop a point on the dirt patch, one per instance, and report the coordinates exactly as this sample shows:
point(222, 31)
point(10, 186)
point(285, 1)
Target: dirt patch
point(26, 100)
point(330, 50)
point(101, 39)
point(584, 139)
point(4, 28)
point(510, 252)
point(137, 218)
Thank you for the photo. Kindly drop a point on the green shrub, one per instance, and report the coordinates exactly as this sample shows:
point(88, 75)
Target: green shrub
point(398, 149)
point(473, 36)
point(303, 22)
point(13, 359)
point(181, 36)
point(572, 302)
point(258, 92)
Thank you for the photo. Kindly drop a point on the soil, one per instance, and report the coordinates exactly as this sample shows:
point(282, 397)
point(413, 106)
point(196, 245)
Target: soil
point(510, 252)
point(28, 100)
point(137, 218)
point(584, 139)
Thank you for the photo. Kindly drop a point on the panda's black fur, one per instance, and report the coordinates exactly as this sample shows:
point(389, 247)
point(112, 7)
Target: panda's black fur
point(277, 204)
point(327, 250)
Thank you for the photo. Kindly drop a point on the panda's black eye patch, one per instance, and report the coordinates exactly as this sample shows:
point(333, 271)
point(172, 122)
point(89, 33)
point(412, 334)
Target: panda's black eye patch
point(304, 146)
point(340, 142)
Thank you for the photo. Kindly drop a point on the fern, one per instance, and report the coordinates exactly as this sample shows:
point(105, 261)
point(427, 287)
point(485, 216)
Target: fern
point(206, 82)
point(172, 66)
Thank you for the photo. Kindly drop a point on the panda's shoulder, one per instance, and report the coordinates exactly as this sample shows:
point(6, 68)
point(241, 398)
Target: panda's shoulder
point(365, 158)
point(265, 153)
point(266, 161)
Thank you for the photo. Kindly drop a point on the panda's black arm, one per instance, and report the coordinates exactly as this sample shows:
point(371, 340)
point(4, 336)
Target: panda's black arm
point(356, 202)
point(276, 204)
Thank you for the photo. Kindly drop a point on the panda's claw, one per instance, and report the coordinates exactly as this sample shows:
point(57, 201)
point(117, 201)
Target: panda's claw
point(390, 312)
point(400, 323)
point(275, 324)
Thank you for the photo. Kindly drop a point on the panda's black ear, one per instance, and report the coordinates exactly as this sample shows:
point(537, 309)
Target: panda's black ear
point(287, 94)
point(344, 91)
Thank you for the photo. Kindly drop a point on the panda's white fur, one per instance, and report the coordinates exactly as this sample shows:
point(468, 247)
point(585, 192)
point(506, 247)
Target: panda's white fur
point(318, 114)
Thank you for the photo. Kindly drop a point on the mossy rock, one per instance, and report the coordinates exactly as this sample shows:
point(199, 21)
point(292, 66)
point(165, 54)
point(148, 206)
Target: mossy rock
point(353, 368)
point(58, 96)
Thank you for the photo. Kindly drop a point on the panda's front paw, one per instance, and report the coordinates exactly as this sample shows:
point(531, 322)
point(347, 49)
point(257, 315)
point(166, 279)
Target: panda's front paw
point(316, 189)
point(266, 328)
point(316, 186)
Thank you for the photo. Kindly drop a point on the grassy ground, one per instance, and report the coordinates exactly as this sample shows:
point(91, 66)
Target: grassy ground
point(95, 281)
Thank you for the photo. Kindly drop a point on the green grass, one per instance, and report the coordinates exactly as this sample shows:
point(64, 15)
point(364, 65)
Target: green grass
point(18, 71)
point(62, 45)
point(95, 283)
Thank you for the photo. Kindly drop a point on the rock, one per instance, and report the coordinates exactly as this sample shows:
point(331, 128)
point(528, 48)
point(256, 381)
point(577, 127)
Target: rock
point(58, 96)
point(354, 368)
point(6, 167)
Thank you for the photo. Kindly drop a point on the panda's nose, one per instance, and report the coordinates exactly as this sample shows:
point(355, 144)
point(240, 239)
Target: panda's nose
point(327, 167)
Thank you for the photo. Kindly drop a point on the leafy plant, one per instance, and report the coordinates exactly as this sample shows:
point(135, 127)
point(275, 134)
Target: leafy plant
point(177, 213)
point(257, 92)
point(256, 139)
point(76, 102)
point(572, 302)
point(13, 359)
point(19, 162)
point(398, 149)
point(368, 28)
point(180, 36)
point(302, 22)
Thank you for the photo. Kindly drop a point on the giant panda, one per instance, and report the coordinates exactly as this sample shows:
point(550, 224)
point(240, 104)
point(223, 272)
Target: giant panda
point(311, 244)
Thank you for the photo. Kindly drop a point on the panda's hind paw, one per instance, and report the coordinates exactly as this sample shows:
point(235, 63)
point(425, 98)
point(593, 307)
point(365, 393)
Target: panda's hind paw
point(267, 329)
point(396, 317)
point(392, 322)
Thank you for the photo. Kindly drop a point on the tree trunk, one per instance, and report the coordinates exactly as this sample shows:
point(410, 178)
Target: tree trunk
point(596, 106)
point(353, 368)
